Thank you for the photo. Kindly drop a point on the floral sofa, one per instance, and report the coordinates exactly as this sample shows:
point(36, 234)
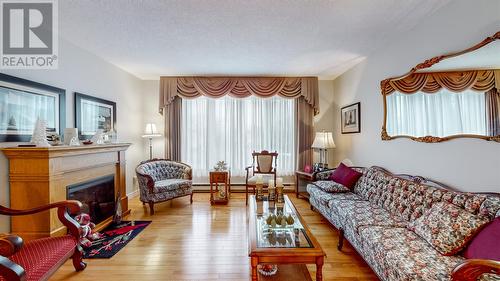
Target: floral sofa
point(378, 218)
point(161, 180)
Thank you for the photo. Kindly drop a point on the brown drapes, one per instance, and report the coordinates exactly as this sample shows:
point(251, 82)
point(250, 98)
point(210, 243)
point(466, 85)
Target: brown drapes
point(493, 112)
point(240, 87)
point(304, 135)
point(172, 114)
point(456, 81)
point(304, 89)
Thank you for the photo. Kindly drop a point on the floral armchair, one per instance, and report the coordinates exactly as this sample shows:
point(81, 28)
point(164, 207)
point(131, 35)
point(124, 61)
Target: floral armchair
point(161, 180)
point(39, 259)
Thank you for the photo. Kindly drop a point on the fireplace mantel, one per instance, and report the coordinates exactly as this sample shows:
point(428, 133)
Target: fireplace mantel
point(40, 175)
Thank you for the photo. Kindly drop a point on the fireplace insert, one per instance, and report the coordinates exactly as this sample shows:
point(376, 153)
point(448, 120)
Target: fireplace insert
point(97, 196)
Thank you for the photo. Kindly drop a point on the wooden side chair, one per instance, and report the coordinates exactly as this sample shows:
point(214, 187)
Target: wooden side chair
point(263, 163)
point(38, 259)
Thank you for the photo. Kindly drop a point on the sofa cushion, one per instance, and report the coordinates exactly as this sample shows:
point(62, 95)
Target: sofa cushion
point(41, 257)
point(359, 213)
point(345, 176)
point(331, 186)
point(447, 227)
point(490, 207)
point(170, 185)
point(372, 179)
point(400, 254)
point(324, 197)
point(485, 244)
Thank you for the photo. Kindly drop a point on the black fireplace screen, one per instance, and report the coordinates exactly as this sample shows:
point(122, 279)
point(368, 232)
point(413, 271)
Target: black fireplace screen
point(96, 195)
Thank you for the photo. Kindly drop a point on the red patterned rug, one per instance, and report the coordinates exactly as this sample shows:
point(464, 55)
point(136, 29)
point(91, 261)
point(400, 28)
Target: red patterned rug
point(115, 238)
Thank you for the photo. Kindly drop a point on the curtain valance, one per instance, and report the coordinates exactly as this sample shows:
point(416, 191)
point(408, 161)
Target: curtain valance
point(456, 81)
point(240, 87)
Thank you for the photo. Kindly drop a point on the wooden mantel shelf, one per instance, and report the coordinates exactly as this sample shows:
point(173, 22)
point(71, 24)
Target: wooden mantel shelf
point(40, 175)
point(61, 150)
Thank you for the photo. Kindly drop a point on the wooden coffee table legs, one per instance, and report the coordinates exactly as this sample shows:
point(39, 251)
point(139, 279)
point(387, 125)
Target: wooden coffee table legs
point(255, 262)
point(319, 268)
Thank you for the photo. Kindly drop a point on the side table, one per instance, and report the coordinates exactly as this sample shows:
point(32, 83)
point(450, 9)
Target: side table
point(220, 187)
point(301, 176)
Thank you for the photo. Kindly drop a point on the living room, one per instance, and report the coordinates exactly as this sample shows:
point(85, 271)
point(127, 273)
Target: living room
point(250, 140)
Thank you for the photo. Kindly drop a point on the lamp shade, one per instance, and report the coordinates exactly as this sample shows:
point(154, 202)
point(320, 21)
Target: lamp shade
point(323, 140)
point(151, 131)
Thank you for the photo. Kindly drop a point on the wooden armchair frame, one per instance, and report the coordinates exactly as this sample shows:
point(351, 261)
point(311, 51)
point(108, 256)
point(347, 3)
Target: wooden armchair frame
point(255, 168)
point(11, 244)
point(471, 270)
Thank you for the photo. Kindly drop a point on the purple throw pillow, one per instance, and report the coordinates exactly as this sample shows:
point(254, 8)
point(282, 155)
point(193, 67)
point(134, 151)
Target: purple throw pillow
point(485, 245)
point(345, 176)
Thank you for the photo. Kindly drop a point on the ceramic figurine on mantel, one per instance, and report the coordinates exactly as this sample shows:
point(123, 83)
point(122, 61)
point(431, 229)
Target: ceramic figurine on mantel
point(98, 137)
point(39, 137)
point(74, 141)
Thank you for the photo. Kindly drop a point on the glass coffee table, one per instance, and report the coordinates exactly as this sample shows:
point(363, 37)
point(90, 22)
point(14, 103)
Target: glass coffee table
point(279, 235)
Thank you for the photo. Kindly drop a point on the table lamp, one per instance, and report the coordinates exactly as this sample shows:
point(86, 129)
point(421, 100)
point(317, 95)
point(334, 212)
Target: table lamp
point(323, 141)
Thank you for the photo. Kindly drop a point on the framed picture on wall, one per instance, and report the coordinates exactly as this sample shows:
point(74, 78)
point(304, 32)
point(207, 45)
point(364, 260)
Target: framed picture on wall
point(22, 102)
point(92, 114)
point(351, 118)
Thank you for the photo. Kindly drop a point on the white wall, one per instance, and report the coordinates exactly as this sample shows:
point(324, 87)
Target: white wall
point(81, 71)
point(150, 98)
point(324, 120)
point(467, 164)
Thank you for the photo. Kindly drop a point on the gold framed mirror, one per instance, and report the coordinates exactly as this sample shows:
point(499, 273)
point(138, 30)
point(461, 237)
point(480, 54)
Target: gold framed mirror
point(446, 97)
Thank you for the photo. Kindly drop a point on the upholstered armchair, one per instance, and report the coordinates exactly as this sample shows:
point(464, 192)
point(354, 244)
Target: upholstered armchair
point(39, 259)
point(263, 164)
point(161, 180)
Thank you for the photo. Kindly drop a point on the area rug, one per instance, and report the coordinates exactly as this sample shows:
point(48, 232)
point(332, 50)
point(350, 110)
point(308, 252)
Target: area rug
point(115, 238)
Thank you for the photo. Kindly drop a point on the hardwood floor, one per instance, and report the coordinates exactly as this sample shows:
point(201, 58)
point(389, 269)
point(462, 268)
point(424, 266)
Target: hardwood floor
point(203, 242)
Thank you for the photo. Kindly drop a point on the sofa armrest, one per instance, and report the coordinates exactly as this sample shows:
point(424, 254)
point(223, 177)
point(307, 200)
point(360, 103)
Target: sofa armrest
point(145, 182)
point(472, 269)
point(188, 173)
point(73, 206)
point(10, 244)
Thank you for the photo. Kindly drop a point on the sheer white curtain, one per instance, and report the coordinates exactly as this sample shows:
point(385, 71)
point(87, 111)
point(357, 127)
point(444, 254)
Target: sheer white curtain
point(439, 114)
point(230, 129)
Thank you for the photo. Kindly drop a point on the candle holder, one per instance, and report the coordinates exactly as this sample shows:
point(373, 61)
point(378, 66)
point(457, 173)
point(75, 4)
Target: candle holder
point(279, 194)
point(272, 193)
point(260, 194)
point(271, 190)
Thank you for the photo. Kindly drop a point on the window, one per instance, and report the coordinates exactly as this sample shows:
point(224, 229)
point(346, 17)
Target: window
point(437, 114)
point(230, 129)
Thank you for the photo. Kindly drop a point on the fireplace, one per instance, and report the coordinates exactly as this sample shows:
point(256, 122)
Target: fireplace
point(97, 197)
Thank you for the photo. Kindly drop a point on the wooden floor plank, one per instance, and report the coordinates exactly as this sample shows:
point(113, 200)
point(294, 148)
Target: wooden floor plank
point(203, 242)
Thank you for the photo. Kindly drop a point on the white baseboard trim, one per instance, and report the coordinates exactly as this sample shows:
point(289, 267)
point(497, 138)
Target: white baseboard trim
point(133, 194)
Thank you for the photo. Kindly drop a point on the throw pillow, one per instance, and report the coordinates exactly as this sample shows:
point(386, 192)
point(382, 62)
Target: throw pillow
point(485, 244)
point(331, 186)
point(345, 176)
point(447, 227)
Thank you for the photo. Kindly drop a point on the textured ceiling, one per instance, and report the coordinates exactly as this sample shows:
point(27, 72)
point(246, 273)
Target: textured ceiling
point(149, 38)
